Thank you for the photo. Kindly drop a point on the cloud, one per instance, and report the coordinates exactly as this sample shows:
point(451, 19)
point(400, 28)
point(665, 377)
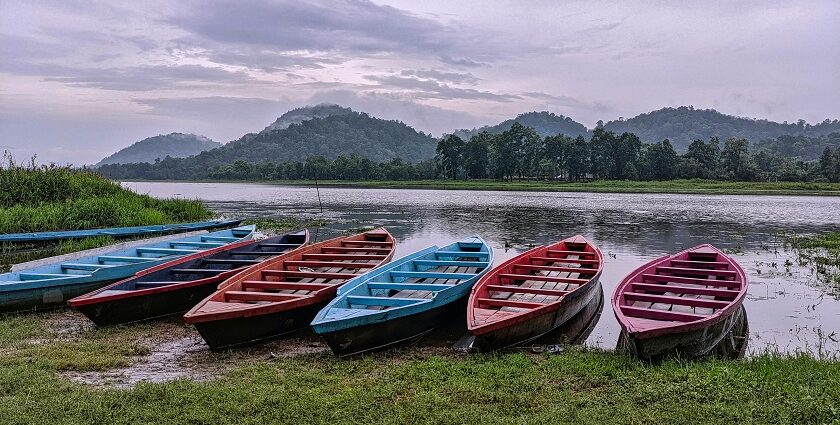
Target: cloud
point(432, 89)
point(139, 78)
point(450, 77)
point(348, 26)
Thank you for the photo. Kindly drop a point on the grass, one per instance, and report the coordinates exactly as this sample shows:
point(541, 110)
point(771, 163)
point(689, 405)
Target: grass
point(407, 386)
point(822, 253)
point(44, 198)
point(694, 186)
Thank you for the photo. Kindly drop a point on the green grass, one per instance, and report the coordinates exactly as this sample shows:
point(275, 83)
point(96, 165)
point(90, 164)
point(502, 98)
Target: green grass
point(822, 253)
point(43, 198)
point(405, 386)
point(695, 186)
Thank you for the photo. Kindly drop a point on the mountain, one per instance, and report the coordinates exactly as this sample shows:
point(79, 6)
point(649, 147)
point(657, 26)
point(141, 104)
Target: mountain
point(685, 124)
point(299, 115)
point(545, 123)
point(176, 145)
point(335, 135)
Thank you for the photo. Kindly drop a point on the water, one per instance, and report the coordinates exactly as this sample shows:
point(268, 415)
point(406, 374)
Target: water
point(789, 309)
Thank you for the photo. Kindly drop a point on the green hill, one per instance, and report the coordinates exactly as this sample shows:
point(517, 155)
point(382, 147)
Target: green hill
point(299, 115)
point(176, 145)
point(685, 124)
point(545, 123)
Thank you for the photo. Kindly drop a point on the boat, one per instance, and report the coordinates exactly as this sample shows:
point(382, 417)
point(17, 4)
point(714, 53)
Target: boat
point(50, 282)
point(282, 295)
point(683, 304)
point(403, 300)
point(118, 232)
point(532, 294)
point(175, 286)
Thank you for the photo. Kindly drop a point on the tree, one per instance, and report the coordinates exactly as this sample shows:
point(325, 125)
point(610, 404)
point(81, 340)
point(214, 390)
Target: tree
point(827, 164)
point(475, 155)
point(735, 160)
point(836, 174)
point(602, 143)
point(448, 156)
point(576, 158)
point(660, 161)
point(702, 160)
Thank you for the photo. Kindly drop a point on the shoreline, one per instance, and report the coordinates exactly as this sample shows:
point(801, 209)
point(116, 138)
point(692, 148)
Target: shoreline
point(689, 187)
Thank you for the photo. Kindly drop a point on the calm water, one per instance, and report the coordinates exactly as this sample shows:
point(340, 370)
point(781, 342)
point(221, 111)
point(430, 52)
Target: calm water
point(788, 311)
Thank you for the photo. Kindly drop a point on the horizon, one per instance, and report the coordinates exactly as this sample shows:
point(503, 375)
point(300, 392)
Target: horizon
point(136, 71)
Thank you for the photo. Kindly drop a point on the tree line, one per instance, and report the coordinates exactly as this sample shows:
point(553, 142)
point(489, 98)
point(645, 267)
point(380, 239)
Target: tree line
point(520, 153)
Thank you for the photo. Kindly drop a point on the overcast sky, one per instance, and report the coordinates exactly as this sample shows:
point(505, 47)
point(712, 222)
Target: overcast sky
point(82, 79)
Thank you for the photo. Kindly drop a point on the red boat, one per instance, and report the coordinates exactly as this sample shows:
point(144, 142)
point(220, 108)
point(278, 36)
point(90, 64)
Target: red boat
point(283, 294)
point(533, 293)
point(174, 287)
point(683, 304)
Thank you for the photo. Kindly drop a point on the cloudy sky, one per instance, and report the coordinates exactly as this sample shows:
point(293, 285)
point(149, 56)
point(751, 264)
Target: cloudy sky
point(81, 79)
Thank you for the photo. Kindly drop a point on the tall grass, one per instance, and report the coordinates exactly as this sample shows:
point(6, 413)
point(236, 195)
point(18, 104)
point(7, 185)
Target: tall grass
point(37, 198)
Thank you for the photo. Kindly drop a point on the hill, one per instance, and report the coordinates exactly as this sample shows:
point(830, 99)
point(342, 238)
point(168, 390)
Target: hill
point(176, 145)
point(545, 123)
point(299, 115)
point(684, 124)
point(801, 147)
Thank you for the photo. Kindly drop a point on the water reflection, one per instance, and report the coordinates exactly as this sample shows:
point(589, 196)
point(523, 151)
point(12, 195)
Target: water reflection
point(789, 311)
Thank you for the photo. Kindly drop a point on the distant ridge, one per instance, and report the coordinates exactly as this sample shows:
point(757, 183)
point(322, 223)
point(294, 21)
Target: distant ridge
point(684, 124)
point(299, 115)
point(176, 145)
point(545, 123)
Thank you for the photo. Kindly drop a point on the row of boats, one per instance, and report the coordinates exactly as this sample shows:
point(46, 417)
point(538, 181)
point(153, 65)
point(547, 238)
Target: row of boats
point(236, 291)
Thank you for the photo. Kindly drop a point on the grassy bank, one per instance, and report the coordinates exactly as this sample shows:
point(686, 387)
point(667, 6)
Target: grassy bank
point(711, 187)
point(42, 198)
point(409, 386)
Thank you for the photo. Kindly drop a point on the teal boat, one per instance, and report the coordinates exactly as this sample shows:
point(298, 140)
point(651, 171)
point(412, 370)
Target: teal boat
point(117, 232)
point(405, 299)
point(54, 283)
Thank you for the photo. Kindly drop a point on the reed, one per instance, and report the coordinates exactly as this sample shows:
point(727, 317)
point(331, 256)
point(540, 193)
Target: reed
point(36, 198)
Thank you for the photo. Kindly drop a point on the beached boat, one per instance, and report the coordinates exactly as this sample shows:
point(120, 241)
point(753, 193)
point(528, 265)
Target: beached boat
point(50, 282)
point(533, 293)
point(283, 294)
point(683, 304)
point(117, 232)
point(404, 299)
point(176, 286)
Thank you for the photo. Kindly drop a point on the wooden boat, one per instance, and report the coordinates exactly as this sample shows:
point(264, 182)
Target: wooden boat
point(682, 304)
point(403, 300)
point(118, 232)
point(53, 283)
point(533, 293)
point(283, 294)
point(174, 287)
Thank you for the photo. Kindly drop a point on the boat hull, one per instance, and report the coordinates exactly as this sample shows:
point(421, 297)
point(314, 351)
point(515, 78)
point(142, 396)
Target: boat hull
point(147, 307)
point(401, 330)
point(241, 331)
point(46, 298)
point(540, 325)
point(690, 344)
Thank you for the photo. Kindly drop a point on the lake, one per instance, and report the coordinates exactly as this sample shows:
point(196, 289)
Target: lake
point(789, 309)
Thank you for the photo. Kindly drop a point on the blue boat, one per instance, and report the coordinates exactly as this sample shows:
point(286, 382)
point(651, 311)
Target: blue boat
point(52, 284)
point(405, 299)
point(117, 232)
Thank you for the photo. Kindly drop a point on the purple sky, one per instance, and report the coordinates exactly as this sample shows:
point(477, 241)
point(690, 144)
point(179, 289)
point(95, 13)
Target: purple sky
point(81, 79)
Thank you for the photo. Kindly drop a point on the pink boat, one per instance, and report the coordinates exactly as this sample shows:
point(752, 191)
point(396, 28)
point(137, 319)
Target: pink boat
point(683, 304)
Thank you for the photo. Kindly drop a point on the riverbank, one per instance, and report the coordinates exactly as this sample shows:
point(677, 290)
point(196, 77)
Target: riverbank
point(44, 198)
point(709, 187)
point(46, 355)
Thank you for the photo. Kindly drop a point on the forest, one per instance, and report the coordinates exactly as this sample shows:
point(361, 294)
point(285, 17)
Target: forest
point(520, 153)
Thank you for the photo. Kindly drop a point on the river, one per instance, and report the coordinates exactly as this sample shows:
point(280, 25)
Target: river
point(789, 308)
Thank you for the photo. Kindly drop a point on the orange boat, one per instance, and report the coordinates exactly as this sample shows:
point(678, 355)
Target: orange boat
point(283, 294)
